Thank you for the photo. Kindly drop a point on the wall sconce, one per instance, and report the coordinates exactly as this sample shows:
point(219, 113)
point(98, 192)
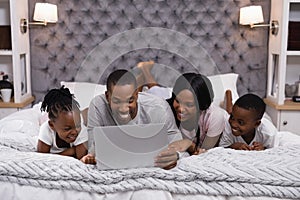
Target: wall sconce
point(253, 16)
point(43, 13)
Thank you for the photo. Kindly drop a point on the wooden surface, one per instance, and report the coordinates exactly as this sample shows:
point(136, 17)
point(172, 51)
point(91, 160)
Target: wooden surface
point(288, 105)
point(16, 105)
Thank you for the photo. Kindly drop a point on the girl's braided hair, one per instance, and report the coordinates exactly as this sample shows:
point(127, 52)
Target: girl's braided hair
point(59, 100)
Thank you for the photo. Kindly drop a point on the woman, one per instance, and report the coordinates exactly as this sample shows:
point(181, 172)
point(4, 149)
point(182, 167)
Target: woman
point(200, 122)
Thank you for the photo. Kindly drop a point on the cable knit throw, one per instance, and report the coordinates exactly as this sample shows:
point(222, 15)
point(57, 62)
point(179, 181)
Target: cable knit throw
point(273, 173)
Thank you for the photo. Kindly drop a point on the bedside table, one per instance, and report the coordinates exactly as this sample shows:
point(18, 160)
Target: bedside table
point(286, 117)
point(11, 107)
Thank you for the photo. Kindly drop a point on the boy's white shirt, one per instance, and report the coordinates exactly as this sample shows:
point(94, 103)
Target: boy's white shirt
point(265, 133)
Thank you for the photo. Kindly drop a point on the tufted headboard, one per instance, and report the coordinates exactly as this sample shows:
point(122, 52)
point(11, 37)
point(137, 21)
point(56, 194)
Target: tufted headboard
point(94, 37)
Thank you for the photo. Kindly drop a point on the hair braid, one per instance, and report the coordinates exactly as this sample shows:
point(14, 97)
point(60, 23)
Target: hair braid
point(58, 100)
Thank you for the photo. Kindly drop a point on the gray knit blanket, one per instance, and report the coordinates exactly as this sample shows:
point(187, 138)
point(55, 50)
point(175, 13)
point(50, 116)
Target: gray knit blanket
point(273, 173)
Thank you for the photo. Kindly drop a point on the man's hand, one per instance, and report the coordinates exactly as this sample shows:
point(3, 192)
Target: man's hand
point(88, 159)
point(167, 159)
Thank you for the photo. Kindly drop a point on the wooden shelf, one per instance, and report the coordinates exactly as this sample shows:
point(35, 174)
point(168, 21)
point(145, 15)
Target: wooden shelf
point(288, 105)
point(5, 52)
point(16, 105)
point(293, 53)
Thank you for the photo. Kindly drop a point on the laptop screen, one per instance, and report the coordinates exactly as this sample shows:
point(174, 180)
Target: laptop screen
point(129, 146)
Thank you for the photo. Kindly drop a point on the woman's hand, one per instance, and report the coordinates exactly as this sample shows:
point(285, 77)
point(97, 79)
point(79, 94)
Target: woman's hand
point(198, 151)
point(181, 145)
point(186, 145)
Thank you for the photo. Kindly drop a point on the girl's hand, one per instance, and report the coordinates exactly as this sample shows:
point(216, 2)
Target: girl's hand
point(69, 152)
point(43, 147)
point(88, 159)
point(81, 150)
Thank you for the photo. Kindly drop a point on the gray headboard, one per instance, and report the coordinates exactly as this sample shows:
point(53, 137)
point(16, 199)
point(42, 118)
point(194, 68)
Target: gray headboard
point(94, 37)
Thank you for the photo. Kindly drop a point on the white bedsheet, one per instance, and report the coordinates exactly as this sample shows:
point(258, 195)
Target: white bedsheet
point(13, 191)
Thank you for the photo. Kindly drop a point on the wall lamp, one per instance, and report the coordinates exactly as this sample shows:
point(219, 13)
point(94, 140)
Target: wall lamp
point(253, 16)
point(43, 13)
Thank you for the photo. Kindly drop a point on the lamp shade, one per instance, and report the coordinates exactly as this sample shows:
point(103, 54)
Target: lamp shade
point(251, 15)
point(45, 12)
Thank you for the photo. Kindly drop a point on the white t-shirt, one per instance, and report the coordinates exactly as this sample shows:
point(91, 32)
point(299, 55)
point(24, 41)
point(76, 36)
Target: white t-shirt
point(265, 133)
point(47, 135)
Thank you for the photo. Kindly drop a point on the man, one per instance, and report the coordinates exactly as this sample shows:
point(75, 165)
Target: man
point(123, 104)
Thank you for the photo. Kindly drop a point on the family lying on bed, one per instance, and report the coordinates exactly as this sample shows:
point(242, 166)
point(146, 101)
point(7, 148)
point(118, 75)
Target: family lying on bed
point(197, 124)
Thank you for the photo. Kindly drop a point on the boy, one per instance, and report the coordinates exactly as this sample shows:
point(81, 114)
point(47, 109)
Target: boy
point(122, 104)
point(246, 128)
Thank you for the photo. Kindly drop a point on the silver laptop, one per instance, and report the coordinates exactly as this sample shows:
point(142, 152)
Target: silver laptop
point(129, 146)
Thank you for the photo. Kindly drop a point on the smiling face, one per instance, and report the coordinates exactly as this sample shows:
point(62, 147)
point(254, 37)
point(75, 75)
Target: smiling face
point(243, 122)
point(122, 100)
point(67, 125)
point(185, 106)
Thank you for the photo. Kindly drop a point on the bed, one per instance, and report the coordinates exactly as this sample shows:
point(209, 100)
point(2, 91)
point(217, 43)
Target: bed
point(218, 174)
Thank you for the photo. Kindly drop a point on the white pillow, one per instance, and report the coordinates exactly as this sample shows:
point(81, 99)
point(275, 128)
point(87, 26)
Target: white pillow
point(84, 92)
point(221, 83)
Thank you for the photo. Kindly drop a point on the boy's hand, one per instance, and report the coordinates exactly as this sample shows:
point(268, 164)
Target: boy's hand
point(240, 146)
point(88, 159)
point(257, 146)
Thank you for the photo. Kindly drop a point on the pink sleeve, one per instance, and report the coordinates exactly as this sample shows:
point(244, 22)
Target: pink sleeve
point(212, 121)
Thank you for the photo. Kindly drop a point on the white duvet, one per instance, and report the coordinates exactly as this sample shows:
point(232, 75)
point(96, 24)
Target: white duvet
point(18, 133)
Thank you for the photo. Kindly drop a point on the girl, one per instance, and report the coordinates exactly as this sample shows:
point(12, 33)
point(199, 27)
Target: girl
point(200, 122)
point(62, 133)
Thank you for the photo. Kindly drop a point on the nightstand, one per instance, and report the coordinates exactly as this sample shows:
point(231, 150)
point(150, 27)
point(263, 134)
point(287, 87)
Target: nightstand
point(286, 117)
point(11, 107)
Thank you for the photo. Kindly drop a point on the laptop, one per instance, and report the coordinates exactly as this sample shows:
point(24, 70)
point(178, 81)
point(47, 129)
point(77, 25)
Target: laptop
point(129, 146)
